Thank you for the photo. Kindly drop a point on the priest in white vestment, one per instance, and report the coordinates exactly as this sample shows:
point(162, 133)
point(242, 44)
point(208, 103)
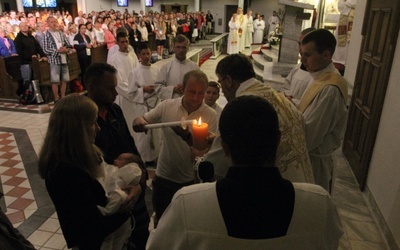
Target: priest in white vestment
point(249, 29)
point(169, 83)
point(233, 37)
point(323, 104)
point(259, 26)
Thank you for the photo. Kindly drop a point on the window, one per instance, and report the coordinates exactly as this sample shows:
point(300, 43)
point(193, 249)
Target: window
point(122, 3)
point(149, 3)
point(46, 3)
point(27, 3)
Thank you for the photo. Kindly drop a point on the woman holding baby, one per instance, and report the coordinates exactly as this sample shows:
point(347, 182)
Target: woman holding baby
point(70, 163)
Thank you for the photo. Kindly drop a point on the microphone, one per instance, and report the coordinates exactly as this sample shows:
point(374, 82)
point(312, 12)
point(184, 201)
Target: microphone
point(206, 171)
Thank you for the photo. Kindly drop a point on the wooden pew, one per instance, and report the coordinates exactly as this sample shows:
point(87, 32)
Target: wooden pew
point(41, 72)
point(99, 54)
point(10, 73)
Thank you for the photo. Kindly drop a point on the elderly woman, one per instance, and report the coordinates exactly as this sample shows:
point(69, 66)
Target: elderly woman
point(70, 164)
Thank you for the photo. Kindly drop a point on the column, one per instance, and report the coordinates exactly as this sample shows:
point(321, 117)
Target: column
point(196, 5)
point(143, 5)
point(241, 5)
point(20, 8)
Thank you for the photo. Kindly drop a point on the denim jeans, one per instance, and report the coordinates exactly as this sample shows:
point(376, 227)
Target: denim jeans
point(26, 72)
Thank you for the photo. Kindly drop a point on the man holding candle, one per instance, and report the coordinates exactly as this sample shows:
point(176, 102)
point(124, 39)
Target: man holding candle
point(253, 207)
point(237, 77)
point(169, 80)
point(174, 166)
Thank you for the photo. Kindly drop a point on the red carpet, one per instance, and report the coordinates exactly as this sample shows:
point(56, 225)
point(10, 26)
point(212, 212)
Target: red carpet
point(205, 54)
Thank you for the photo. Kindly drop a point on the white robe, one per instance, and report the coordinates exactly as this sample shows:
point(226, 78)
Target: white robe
point(233, 38)
point(124, 63)
point(142, 102)
point(243, 25)
point(296, 83)
point(325, 121)
point(193, 220)
point(171, 74)
point(259, 26)
point(249, 32)
point(272, 22)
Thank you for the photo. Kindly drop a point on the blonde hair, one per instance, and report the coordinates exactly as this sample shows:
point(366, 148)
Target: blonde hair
point(68, 142)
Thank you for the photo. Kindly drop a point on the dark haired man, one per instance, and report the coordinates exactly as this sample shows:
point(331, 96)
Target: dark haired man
point(323, 104)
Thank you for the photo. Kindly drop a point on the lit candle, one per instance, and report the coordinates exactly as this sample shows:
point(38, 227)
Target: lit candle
point(199, 134)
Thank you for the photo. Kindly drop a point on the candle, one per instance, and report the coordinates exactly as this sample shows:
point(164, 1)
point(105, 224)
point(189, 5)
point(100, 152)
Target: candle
point(199, 134)
point(182, 123)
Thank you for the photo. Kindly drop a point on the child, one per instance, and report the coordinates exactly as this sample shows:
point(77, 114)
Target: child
point(125, 171)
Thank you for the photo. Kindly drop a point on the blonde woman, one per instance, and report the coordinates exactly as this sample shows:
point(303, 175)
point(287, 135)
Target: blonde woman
point(69, 162)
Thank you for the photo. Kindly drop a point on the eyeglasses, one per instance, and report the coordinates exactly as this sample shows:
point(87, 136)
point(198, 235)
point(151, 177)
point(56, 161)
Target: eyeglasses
point(223, 78)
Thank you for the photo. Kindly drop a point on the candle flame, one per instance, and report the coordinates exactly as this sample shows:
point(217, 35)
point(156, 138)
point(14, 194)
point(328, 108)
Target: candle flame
point(199, 122)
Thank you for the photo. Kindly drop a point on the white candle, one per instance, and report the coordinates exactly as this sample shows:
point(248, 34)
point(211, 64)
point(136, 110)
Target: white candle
point(182, 123)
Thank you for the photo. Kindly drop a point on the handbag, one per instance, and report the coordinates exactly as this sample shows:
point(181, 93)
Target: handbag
point(185, 28)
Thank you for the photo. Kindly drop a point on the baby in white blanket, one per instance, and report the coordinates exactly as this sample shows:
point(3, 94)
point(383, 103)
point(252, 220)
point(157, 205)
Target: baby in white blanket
point(125, 171)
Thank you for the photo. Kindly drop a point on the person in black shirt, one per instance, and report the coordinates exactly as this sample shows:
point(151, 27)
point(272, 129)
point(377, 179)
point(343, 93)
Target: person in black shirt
point(114, 137)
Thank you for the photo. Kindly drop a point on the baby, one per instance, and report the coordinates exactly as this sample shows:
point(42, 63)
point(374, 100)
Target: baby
point(125, 171)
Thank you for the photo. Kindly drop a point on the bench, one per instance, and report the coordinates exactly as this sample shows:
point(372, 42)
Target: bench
point(41, 72)
point(219, 44)
point(9, 79)
point(99, 54)
point(10, 75)
point(194, 55)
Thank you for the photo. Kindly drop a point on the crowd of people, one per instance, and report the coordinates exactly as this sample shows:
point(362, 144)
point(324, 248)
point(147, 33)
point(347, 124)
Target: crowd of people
point(244, 29)
point(259, 144)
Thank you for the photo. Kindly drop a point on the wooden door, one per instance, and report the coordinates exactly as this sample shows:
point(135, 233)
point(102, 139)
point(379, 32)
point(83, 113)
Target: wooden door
point(230, 9)
point(380, 30)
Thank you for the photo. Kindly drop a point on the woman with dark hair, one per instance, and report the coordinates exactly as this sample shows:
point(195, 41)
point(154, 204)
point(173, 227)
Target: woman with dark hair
point(82, 44)
point(70, 163)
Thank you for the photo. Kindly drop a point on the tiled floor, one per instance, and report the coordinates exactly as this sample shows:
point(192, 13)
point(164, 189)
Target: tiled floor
point(29, 208)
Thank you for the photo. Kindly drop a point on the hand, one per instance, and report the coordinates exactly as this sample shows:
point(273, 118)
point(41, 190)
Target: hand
point(178, 89)
point(139, 123)
point(148, 89)
point(184, 134)
point(133, 195)
point(289, 97)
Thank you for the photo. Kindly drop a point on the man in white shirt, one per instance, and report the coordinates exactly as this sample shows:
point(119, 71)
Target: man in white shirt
point(124, 60)
point(323, 104)
point(174, 165)
point(253, 207)
point(169, 83)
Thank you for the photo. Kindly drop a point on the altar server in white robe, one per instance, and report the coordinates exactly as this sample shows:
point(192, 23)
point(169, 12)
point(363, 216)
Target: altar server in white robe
point(249, 29)
point(323, 104)
point(124, 61)
point(259, 26)
point(169, 83)
point(141, 90)
point(233, 37)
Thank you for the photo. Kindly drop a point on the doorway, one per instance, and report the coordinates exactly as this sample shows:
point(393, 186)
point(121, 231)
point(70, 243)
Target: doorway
point(229, 10)
point(380, 31)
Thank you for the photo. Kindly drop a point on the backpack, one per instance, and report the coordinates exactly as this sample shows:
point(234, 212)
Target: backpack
point(28, 94)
